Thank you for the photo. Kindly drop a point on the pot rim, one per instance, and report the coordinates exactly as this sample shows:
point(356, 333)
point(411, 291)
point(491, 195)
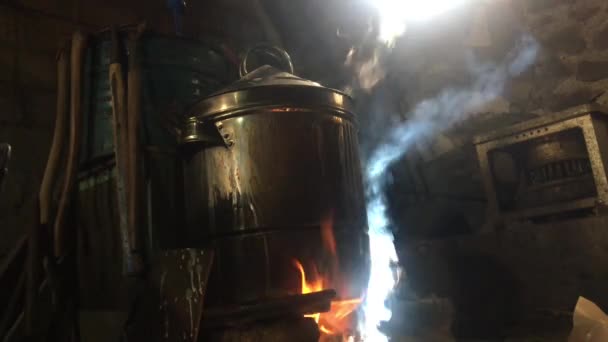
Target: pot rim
point(270, 96)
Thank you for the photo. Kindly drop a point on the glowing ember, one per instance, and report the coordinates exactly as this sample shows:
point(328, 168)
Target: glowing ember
point(336, 320)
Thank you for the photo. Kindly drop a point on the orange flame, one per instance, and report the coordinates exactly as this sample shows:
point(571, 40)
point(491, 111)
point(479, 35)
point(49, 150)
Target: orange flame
point(335, 321)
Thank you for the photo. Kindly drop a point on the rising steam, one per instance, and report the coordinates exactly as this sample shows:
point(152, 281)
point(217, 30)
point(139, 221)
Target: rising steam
point(427, 118)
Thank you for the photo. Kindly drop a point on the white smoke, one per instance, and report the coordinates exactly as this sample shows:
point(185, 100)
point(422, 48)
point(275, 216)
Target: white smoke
point(368, 72)
point(429, 117)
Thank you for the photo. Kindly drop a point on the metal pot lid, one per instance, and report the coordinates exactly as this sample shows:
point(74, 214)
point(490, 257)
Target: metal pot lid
point(267, 76)
point(268, 86)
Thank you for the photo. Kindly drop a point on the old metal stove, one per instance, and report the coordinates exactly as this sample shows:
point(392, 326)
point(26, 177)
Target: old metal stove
point(554, 165)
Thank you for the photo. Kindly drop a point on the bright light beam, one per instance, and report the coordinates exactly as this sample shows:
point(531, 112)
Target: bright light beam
point(395, 14)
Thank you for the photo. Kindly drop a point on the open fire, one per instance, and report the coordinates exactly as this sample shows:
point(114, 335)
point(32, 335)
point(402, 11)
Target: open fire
point(338, 320)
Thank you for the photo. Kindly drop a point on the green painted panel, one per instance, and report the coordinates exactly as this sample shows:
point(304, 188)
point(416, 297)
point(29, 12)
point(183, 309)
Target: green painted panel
point(177, 72)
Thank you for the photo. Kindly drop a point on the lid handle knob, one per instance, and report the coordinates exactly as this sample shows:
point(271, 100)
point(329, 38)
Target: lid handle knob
point(280, 55)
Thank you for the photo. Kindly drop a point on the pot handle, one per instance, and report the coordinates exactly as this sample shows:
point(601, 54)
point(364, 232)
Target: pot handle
point(197, 132)
point(277, 53)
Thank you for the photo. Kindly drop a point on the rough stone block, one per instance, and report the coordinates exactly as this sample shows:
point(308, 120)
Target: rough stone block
point(503, 26)
point(569, 94)
point(540, 5)
point(542, 93)
point(567, 39)
point(519, 91)
point(563, 101)
point(603, 100)
point(600, 38)
point(437, 76)
point(539, 23)
point(583, 10)
point(548, 66)
point(592, 70)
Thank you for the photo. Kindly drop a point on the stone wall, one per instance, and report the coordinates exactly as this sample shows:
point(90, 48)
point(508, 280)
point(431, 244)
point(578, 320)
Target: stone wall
point(575, 68)
point(571, 68)
point(530, 271)
point(527, 278)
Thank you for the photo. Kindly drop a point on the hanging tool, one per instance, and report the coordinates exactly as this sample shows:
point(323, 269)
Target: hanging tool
point(41, 230)
point(121, 143)
point(79, 41)
point(134, 181)
point(50, 172)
